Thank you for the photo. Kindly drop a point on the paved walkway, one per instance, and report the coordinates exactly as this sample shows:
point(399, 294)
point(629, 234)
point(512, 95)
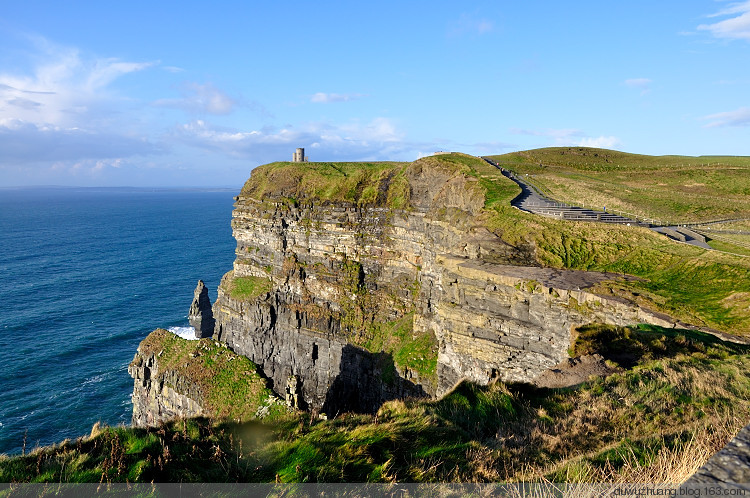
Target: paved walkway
point(730, 466)
point(533, 201)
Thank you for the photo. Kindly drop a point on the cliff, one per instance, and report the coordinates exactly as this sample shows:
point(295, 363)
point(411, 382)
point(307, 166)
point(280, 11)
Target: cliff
point(177, 378)
point(374, 291)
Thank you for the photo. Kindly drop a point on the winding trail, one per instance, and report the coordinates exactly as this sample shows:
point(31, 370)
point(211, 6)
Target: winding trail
point(533, 201)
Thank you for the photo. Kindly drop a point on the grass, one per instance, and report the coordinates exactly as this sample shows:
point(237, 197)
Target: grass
point(414, 351)
point(671, 189)
point(628, 346)
point(370, 183)
point(726, 246)
point(182, 451)
point(229, 384)
point(247, 288)
point(682, 397)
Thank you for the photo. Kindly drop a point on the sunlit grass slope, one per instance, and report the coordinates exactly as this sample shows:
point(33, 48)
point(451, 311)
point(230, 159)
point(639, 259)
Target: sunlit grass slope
point(672, 189)
point(678, 398)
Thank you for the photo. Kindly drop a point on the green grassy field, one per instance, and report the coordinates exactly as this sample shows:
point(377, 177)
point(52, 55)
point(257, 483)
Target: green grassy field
point(670, 189)
point(381, 183)
point(677, 399)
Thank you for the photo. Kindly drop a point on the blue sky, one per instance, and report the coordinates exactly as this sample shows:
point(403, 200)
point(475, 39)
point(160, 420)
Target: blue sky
point(191, 94)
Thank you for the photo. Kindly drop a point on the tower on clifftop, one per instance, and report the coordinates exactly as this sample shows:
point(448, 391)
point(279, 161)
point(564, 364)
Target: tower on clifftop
point(299, 156)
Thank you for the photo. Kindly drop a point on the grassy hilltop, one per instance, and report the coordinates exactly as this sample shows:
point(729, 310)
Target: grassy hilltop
point(675, 189)
point(677, 395)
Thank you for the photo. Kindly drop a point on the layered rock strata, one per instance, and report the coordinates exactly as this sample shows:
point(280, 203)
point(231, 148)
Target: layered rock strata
point(339, 270)
point(160, 395)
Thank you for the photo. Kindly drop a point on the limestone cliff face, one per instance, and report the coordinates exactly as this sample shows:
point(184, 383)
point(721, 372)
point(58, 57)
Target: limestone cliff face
point(339, 271)
point(515, 322)
point(160, 396)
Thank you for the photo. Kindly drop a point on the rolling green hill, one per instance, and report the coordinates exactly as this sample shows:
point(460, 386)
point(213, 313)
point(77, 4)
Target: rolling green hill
point(672, 189)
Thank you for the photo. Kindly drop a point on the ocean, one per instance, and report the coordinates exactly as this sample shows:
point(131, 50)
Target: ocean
point(87, 273)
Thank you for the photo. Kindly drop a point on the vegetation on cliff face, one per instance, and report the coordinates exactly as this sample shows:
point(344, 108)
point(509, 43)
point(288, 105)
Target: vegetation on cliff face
point(229, 383)
point(679, 397)
point(413, 351)
point(246, 288)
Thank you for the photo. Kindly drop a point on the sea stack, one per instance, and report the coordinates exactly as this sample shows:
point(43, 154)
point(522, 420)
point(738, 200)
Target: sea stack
point(200, 315)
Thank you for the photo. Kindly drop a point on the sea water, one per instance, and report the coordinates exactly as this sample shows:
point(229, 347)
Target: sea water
point(85, 275)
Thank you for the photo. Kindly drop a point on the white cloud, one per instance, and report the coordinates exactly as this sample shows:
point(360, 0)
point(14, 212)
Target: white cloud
point(201, 99)
point(63, 108)
point(62, 88)
point(377, 139)
point(571, 136)
point(599, 142)
point(469, 24)
point(738, 117)
point(736, 27)
point(173, 69)
point(105, 71)
point(327, 98)
point(28, 143)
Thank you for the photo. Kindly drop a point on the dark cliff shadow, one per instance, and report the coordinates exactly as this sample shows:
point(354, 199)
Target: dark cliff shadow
point(366, 381)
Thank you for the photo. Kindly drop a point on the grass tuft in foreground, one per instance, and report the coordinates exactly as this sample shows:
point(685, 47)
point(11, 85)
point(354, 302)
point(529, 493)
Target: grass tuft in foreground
point(683, 397)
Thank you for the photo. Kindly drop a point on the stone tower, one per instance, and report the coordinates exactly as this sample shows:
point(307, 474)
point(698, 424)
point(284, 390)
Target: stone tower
point(299, 156)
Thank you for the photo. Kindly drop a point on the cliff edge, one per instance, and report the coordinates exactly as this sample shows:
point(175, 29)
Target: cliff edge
point(358, 283)
point(370, 282)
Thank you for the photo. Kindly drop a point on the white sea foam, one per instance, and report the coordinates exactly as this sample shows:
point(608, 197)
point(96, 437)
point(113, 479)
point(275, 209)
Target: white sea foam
point(184, 332)
point(94, 380)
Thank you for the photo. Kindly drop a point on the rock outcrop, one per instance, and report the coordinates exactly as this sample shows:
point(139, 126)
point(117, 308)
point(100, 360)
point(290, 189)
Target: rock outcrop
point(161, 394)
point(201, 315)
point(177, 378)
